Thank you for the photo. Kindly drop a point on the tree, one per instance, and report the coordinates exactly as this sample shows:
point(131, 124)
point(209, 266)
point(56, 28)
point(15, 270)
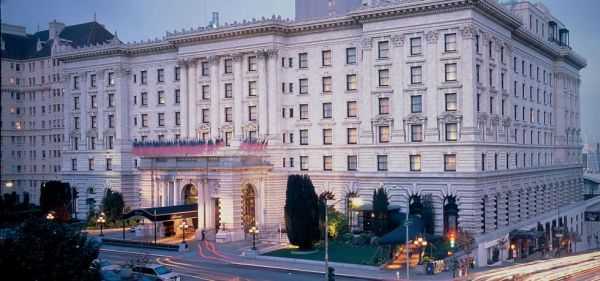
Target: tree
point(301, 212)
point(337, 224)
point(427, 215)
point(45, 250)
point(465, 242)
point(113, 205)
point(56, 197)
point(381, 203)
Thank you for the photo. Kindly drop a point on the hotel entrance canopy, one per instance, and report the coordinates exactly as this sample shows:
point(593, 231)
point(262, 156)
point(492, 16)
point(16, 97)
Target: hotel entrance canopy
point(165, 213)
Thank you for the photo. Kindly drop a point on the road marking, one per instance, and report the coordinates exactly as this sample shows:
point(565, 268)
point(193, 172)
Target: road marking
point(197, 277)
point(135, 253)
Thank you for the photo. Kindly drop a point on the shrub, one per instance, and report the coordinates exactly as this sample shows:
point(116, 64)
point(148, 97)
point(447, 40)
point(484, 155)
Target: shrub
point(301, 212)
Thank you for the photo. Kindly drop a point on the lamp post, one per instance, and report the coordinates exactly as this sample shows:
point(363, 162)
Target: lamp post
point(514, 252)
point(183, 227)
point(354, 201)
point(101, 221)
point(420, 242)
point(254, 231)
point(50, 216)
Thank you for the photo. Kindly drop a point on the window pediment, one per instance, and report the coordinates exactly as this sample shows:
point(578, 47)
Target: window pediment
point(415, 118)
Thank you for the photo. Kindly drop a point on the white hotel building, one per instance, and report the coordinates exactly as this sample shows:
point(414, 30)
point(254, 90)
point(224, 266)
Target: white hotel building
point(473, 102)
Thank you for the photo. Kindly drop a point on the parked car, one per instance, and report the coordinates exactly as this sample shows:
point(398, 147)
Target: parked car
point(109, 275)
point(158, 271)
point(104, 265)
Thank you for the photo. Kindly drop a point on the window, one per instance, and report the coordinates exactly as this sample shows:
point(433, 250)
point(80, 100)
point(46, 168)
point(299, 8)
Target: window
point(416, 133)
point(352, 162)
point(416, 75)
point(303, 137)
point(416, 104)
point(483, 161)
point(228, 90)
point(92, 143)
point(450, 42)
point(351, 83)
point(304, 163)
point(383, 49)
point(75, 82)
point(303, 86)
point(350, 55)
point(327, 87)
point(326, 58)
point(451, 131)
point(384, 77)
point(303, 60)
point(382, 162)
point(449, 162)
point(161, 119)
point(205, 115)
point(491, 77)
point(228, 114)
point(415, 46)
point(111, 79)
point(327, 163)
point(415, 162)
point(160, 75)
point(92, 80)
point(490, 48)
point(252, 63)
point(291, 87)
point(327, 136)
point(75, 103)
point(144, 120)
point(252, 90)
point(74, 164)
point(491, 104)
point(144, 75)
point(91, 164)
point(228, 136)
point(144, 98)
point(327, 110)
point(477, 73)
point(177, 118)
point(451, 104)
point(384, 134)
point(177, 96)
point(450, 72)
point(352, 135)
point(205, 69)
point(228, 63)
point(303, 111)
point(205, 92)
point(111, 142)
point(351, 109)
point(111, 100)
point(177, 72)
point(384, 105)
point(76, 122)
point(252, 113)
point(161, 97)
point(109, 164)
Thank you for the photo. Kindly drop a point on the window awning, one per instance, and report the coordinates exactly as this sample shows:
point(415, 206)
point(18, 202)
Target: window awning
point(165, 213)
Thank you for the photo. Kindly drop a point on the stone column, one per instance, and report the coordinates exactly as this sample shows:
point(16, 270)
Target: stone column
point(397, 70)
point(192, 97)
point(238, 96)
point(272, 99)
point(365, 98)
point(466, 74)
point(183, 91)
point(122, 116)
point(165, 192)
point(262, 93)
point(102, 101)
point(177, 191)
point(214, 96)
point(84, 105)
point(430, 77)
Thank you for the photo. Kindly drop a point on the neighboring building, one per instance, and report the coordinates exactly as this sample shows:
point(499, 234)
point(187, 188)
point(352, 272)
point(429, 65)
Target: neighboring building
point(471, 101)
point(32, 103)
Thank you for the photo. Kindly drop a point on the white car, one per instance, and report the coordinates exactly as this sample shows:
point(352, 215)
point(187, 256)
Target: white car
point(104, 265)
point(158, 271)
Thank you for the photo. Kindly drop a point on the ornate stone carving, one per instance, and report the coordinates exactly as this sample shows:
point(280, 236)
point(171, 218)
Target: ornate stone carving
point(415, 118)
point(468, 31)
point(250, 126)
point(122, 71)
point(449, 117)
point(261, 54)
point(74, 133)
point(366, 43)
point(237, 57)
point(193, 62)
point(109, 132)
point(432, 36)
point(495, 120)
point(182, 62)
point(91, 133)
point(382, 120)
point(506, 122)
point(226, 127)
point(272, 53)
point(482, 117)
point(202, 128)
point(214, 60)
point(398, 40)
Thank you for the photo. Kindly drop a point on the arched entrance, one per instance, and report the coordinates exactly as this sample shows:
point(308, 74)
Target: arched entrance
point(450, 214)
point(190, 194)
point(248, 207)
point(415, 207)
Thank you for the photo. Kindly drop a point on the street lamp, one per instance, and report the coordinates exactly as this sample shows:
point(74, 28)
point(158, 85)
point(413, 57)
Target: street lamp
point(254, 231)
point(354, 202)
point(420, 242)
point(514, 252)
point(101, 221)
point(50, 216)
point(183, 227)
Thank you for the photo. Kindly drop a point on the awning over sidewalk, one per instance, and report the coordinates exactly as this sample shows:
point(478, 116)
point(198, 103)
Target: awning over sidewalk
point(165, 213)
point(526, 234)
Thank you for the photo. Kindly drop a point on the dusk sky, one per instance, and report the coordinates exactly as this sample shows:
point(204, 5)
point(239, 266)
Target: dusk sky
point(147, 19)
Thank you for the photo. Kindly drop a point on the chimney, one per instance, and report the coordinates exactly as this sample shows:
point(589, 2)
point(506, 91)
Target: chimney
point(215, 20)
point(54, 29)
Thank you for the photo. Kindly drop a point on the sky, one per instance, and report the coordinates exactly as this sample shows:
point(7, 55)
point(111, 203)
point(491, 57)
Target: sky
point(136, 20)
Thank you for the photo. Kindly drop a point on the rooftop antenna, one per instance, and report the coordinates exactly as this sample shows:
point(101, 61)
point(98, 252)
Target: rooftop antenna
point(38, 27)
point(94, 16)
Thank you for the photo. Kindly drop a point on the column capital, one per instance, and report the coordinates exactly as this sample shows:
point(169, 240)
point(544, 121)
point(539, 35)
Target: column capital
point(214, 60)
point(398, 40)
point(261, 54)
point(468, 31)
point(432, 36)
point(237, 57)
point(272, 53)
point(366, 42)
point(192, 62)
point(182, 63)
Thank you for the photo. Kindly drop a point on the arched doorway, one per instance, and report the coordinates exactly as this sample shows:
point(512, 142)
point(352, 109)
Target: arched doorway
point(248, 207)
point(450, 214)
point(190, 194)
point(415, 207)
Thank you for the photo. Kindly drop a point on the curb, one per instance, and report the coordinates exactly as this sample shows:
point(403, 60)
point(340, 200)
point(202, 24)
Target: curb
point(313, 262)
point(286, 269)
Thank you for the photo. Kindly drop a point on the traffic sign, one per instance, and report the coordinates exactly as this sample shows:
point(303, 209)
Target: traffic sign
point(408, 222)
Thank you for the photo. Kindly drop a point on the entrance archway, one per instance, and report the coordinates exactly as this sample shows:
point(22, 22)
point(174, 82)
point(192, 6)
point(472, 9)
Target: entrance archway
point(248, 207)
point(450, 214)
point(415, 207)
point(190, 194)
